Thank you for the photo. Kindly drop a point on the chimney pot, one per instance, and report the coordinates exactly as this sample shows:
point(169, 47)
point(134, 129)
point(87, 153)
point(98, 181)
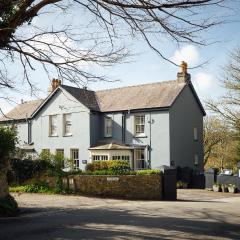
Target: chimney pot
point(55, 83)
point(183, 75)
point(183, 67)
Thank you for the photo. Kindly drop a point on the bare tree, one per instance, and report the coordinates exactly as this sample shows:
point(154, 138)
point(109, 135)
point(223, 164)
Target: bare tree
point(229, 105)
point(98, 40)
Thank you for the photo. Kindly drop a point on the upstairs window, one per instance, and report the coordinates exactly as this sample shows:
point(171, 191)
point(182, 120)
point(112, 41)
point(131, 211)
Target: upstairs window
point(139, 121)
point(107, 127)
point(53, 125)
point(67, 124)
point(195, 134)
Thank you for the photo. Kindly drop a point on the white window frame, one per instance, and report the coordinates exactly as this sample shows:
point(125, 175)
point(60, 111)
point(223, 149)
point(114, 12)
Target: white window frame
point(121, 157)
point(97, 157)
point(51, 126)
point(67, 123)
point(108, 124)
point(195, 134)
point(139, 161)
point(139, 125)
point(74, 155)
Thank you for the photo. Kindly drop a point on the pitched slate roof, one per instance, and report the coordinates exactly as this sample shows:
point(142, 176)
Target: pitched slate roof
point(145, 96)
point(86, 97)
point(22, 111)
point(153, 95)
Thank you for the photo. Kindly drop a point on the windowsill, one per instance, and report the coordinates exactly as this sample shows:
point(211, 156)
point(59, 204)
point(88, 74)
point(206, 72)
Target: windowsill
point(68, 135)
point(140, 136)
point(107, 136)
point(53, 135)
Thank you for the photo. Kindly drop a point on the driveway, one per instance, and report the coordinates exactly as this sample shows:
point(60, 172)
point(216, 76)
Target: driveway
point(198, 214)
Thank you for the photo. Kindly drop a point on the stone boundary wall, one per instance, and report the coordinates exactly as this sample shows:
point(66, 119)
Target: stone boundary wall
point(148, 187)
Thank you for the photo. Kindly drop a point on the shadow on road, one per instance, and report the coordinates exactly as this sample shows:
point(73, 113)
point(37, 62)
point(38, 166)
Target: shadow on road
point(102, 223)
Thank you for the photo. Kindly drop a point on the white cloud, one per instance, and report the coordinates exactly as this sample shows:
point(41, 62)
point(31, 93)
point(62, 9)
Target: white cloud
point(188, 53)
point(203, 81)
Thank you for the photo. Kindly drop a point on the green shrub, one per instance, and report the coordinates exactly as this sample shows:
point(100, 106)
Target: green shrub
point(112, 165)
point(8, 206)
point(7, 143)
point(22, 170)
point(148, 172)
point(117, 171)
point(38, 187)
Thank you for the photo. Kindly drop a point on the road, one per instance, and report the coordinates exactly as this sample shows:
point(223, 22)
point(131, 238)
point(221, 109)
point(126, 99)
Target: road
point(197, 214)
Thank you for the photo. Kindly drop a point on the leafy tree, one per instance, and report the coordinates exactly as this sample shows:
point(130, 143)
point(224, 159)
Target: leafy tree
point(221, 143)
point(96, 35)
point(8, 140)
point(215, 133)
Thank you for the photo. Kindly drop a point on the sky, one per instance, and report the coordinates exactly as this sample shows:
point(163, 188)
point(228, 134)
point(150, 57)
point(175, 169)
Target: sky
point(147, 67)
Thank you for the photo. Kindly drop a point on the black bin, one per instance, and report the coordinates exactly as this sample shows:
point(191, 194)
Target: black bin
point(169, 183)
point(210, 177)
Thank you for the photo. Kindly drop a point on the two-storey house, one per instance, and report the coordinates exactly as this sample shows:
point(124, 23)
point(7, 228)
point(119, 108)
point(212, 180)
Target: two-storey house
point(148, 125)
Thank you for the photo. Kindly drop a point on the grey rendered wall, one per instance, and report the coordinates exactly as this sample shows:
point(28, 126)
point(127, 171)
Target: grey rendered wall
point(185, 114)
point(160, 154)
point(159, 137)
point(22, 133)
point(62, 103)
point(96, 127)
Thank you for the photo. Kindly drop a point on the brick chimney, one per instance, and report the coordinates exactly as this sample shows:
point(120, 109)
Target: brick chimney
point(183, 75)
point(55, 83)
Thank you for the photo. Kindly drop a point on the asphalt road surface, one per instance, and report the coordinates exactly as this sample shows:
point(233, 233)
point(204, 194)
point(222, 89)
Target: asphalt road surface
point(197, 214)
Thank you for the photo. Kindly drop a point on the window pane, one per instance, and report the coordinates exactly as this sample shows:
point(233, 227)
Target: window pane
point(140, 158)
point(108, 127)
point(139, 124)
point(67, 123)
point(75, 157)
point(53, 125)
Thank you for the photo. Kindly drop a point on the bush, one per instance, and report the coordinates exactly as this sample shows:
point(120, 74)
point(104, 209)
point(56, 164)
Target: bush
point(111, 165)
point(22, 170)
point(37, 187)
point(148, 172)
point(7, 143)
point(8, 206)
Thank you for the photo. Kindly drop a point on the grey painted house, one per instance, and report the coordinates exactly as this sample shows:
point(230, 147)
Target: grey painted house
point(148, 125)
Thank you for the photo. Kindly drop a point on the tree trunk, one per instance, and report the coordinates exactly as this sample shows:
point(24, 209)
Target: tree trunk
point(4, 190)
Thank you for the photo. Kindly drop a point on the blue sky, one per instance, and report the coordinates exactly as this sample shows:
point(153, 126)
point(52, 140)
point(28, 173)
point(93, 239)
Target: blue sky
point(147, 67)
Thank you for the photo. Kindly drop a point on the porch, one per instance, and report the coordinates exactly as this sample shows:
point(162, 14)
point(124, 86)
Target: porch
point(135, 155)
